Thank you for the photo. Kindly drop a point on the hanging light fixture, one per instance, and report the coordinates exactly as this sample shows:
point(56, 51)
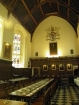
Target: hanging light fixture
point(52, 33)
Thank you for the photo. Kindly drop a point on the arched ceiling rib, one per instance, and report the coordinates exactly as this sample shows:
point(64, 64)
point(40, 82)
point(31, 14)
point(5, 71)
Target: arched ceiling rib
point(31, 12)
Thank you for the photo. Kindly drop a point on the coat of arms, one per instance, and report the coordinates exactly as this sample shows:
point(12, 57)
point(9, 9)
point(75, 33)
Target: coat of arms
point(52, 33)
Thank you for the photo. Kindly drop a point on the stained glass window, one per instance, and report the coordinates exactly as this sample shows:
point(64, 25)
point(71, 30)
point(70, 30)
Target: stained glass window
point(16, 50)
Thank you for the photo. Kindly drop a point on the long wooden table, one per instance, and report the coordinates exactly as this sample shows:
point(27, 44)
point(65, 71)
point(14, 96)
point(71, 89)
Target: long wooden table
point(28, 92)
point(11, 102)
point(16, 80)
point(76, 80)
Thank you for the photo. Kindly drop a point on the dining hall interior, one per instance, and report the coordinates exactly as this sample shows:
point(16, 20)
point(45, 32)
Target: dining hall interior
point(39, 52)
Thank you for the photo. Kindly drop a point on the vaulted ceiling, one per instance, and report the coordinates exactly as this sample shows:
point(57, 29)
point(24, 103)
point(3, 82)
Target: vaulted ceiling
point(31, 12)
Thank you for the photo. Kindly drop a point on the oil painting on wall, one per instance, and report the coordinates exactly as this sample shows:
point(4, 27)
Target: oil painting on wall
point(7, 52)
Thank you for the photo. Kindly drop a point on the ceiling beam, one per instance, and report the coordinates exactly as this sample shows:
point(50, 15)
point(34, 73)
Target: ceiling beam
point(29, 12)
point(50, 4)
point(68, 10)
point(40, 8)
point(11, 5)
point(58, 9)
point(72, 9)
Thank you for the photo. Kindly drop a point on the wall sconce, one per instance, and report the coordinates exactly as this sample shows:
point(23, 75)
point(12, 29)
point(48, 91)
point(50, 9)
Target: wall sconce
point(52, 33)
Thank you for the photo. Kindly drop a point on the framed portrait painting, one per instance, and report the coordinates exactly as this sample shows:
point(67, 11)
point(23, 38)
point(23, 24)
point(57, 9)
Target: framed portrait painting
point(53, 48)
point(69, 67)
point(45, 67)
point(7, 50)
point(53, 67)
point(61, 67)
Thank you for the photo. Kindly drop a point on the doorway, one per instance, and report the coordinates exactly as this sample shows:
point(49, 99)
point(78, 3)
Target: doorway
point(35, 71)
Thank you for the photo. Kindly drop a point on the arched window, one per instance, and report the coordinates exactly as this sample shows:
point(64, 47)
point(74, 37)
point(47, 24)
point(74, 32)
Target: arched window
point(1, 35)
point(16, 53)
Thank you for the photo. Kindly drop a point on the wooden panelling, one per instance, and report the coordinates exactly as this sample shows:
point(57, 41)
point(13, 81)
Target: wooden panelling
point(26, 72)
point(7, 71)
point(39, 62)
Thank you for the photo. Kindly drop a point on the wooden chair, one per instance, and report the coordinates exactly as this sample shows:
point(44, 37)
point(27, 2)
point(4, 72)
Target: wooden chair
point(64, 81)
point(20, 86)
point(16, 88)
point(53, 88)
point(2, 94)
point(2, 86)
point(75, 103)
point(55, 85)
point(7, 85)
point(9, 90)
point(43, 99)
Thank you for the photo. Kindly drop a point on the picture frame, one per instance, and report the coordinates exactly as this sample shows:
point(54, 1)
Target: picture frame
point(53, 67)
point(61, 67)
point(7, 51)
point(53, 48)
point(69, 67)
point(45, 67)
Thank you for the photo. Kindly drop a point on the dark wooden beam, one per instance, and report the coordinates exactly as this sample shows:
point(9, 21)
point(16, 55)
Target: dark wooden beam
point(29, 12)
point(40, 8)
point(64, 4)
point(50, 4)
point(12, 4)
point(68, 10)
point(58, 8)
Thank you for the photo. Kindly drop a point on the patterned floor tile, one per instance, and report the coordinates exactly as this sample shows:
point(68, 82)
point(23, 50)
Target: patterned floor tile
point(65, 96)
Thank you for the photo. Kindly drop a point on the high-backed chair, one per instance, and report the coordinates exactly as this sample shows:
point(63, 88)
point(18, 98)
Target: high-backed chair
point(2, 86)
point(16, 88)
point(9, 90)
point(43, 99)
point(64, 81)
point(2, 94)
point(51, 90)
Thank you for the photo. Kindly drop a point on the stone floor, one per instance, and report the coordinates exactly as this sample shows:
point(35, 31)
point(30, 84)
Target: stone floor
point(65, 96)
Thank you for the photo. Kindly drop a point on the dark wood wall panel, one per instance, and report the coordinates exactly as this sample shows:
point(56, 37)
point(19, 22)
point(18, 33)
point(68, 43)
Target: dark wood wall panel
point(7, 71)
point(26, 72)
point(39, 62)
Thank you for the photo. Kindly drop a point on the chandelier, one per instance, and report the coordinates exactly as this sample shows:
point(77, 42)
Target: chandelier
point(52, 33)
